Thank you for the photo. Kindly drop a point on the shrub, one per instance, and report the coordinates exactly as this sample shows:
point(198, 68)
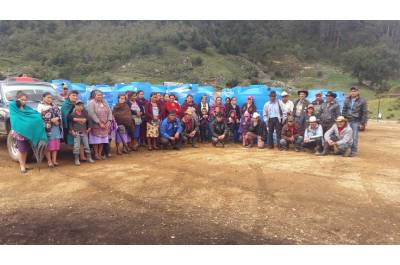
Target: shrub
point(232, 83)
point(182, 46)
point(197, 61)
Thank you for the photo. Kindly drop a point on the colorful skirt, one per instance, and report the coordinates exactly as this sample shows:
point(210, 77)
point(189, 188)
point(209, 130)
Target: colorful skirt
point(23, 146)
point(93, 139)
point(122, 138)
point(153, 129)
point(53, 145)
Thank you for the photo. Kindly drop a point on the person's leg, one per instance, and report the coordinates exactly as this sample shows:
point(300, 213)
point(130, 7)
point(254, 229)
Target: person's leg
point(214, 141)
point(165, 142)
point(82, 154)
point(100, 150)
point(119, 152)
point(271, 133)
point(297, 142)
point(49, 160)
point(149, 144)
point(155, 147)
point(355, 127)
point(194, 140)
point(54, 157)
point(85, 143)
point(278, 130)
point(178, 143)
point(22, 160)
point(77, 149)
point(260, 142)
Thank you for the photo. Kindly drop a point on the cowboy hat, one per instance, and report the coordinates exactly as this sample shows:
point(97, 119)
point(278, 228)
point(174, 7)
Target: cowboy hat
point(340, 118)
point(302, 91)
point(312, 119)
point(331, 94)
point(284, 94)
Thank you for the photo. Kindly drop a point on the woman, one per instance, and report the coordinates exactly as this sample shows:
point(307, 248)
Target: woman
point(27, 128)
point(123, 118)
point(203, 105)
point(152, 113)
point(227, 104)
point(190, 105)
point(165, 100)
point(137, 114)
point(249, 106)
point(173, 104)
point(101, 119)
point(66, 109)
point(51, 115)
point(217, 106)
point(142, 103)
point(234, 107)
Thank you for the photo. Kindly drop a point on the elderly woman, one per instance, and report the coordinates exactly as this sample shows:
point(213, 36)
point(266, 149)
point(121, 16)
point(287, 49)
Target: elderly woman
point(123, 118)
point(203, 105)
point(217, 107)
point(51, 115)
point(249, 106)
point(101, 117)
point(142, 103)
point(152, 113)
point(137, 112)
point(191, 106)
point(27, 128)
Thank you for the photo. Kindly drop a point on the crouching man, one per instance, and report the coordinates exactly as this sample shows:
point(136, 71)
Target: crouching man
point(255, 130)
point(190, 129)
point(171, 131)
point(291, 134)
point(219, 130)
point(339, 138)
point(313, 136)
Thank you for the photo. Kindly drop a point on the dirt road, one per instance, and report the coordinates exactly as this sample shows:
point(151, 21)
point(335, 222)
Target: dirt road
point(209, 196)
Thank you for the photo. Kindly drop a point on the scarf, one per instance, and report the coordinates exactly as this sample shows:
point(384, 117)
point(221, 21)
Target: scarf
point(123, 116)
point(66, 109)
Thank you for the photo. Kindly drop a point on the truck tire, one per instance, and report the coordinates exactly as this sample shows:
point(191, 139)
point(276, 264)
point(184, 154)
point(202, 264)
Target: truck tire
point(12, 147)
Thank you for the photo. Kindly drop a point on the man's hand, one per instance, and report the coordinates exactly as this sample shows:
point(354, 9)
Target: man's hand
point(192, 134)
point(331, 143)
point(292, 138)
point(102, 125)
point(306, 140)
point(176, 136)
point(172, 138)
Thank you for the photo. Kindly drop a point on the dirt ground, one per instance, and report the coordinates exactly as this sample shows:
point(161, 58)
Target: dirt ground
point(209, 196)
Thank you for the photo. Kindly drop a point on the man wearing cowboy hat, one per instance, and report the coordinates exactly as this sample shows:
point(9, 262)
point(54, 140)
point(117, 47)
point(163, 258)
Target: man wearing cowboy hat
point(255, 130)
point(313, 136)
point(274, 113)
point(339, 138)
point(287, 104)
point(330, 110)
point(291, 134)
point(190, 128)
point(356, 112)
point(300, 107)
point(317, 103)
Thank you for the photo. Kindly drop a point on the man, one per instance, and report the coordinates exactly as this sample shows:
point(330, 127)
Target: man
point(171, 130)
point(64, 92)
point(313, 136)
point(356, 112)
point(291, 134)
point(287, 104)
point(330, 110)
point(219, 130)
point(339, 138)
point(317, 103)
point(274, 113)
point(255, 130)
point(190, 129)
point(300, 107)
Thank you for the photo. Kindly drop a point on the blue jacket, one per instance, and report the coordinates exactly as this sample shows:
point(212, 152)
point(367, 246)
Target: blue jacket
point(169, 129)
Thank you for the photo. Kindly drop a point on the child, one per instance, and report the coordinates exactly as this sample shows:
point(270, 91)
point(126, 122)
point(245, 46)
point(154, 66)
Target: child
point(79, 129)
point(232, 124)
point(204, 125)
point(244, 122)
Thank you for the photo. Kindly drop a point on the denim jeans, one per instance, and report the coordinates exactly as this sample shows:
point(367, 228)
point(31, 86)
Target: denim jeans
point(81, 139)
point(354, 126)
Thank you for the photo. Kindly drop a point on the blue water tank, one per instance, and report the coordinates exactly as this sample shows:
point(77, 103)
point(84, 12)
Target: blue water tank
point(200, 91)
point(180, 92)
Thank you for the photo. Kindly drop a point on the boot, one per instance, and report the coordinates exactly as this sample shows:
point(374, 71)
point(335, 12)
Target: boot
point(335, 149)
point(77, 162)
point(347, 152)
point(325, 150)
point(89, 157)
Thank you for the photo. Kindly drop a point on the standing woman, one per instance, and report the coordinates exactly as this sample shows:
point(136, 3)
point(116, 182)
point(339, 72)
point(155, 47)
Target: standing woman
point(137, 112)
point(152, 113)
point(190, 105)
point(101, 118)
point(142, 103)
point(27, 127)
point(66, 109)
point(51, 115)
point(123, 118)
point(249, 106)
point(203, 105)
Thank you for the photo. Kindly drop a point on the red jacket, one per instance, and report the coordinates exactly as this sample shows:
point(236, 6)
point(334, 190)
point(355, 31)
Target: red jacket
point(173, 105)
point(148, 111)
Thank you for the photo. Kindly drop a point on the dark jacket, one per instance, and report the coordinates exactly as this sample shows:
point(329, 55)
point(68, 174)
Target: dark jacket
point(329, 113)
point(317, 107)
point(250, 109)
point(75, 126)
point(219, 128)
point(304, 108)
point(229, 108)
point(359, 112)
point(148, 112)
point(186, 105)
point(286, 132)
point(259, 129)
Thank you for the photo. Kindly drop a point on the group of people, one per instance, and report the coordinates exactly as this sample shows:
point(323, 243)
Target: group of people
point(161, 122)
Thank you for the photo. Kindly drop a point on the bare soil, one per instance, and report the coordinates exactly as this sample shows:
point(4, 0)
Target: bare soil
point(209, 196)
